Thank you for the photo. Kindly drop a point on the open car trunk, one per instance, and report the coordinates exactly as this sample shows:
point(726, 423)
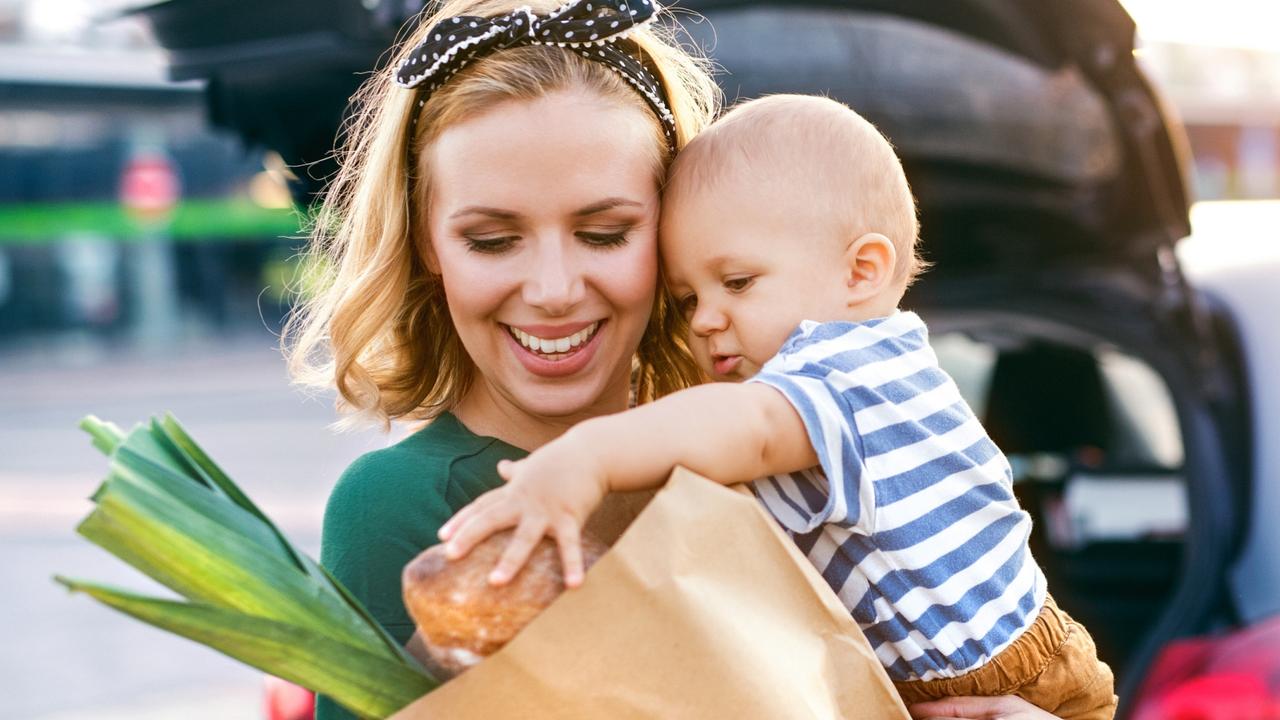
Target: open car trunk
point(1051, 194)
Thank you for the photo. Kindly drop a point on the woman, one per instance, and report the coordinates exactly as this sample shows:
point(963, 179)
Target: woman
point(487, 260)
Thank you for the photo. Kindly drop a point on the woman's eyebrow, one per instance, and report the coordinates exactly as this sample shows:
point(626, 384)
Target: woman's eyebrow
point(606, 204)
point(486, 211)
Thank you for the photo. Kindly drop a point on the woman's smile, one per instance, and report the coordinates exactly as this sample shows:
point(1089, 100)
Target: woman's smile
point(555, 351)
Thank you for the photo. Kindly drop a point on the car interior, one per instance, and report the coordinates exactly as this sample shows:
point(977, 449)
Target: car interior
point(1092, 436)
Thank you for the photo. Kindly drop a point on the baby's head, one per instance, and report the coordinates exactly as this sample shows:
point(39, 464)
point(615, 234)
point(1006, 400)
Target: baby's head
point(789, 208)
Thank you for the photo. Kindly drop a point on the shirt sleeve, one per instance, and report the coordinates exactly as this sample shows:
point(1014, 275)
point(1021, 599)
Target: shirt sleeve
point(803, 501)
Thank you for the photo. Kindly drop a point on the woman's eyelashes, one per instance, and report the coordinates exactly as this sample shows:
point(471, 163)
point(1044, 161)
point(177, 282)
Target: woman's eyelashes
point(490, 245)
point(738, 283)
point(608, 239)
point(499, 244)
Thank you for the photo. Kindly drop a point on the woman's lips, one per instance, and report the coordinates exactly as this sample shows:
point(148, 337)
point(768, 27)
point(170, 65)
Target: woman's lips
point(725, 365)
point(556, 364)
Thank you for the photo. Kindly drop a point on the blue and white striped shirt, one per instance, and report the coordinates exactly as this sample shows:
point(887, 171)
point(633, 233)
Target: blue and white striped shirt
point(911, 517)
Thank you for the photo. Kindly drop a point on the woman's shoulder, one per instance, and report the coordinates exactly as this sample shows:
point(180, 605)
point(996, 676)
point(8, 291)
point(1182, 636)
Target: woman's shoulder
point(438, 468)
point(415, 467)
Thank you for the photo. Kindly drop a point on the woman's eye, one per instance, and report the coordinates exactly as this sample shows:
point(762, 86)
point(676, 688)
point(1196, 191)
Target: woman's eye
point(604, 239)
point(738, 284)
point(687, 305)
point(490, 245)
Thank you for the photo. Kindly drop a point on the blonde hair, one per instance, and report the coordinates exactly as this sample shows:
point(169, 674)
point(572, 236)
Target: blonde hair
point(375, 323)
point(818, 147)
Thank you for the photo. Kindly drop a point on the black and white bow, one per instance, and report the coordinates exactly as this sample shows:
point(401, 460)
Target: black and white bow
point(590, 28)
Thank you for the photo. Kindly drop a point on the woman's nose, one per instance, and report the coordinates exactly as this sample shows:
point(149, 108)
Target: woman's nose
point(555, 283)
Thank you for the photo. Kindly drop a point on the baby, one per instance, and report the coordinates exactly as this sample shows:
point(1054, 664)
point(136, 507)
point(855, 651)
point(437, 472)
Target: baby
point(788, 239)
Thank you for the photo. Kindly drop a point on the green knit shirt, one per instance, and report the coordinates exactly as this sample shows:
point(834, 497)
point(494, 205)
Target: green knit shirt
point(387, 507)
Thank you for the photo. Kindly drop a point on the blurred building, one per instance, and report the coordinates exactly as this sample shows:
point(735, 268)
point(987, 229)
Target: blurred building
point(1229, 100)
point(123, 214)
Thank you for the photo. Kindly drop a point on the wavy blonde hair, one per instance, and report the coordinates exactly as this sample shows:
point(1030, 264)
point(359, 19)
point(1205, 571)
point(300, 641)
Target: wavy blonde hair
point(373, 321)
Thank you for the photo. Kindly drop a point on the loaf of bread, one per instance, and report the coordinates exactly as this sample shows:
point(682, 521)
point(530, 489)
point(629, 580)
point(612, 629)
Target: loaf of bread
point(461, 618)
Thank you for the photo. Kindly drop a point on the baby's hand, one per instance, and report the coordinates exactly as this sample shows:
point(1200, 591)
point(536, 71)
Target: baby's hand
point(551, 492)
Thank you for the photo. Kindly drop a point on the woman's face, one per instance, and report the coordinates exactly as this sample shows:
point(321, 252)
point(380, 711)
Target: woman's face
point(543, 222)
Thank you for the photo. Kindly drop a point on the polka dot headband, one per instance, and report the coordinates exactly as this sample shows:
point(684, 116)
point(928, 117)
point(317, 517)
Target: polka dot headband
point(590, 28)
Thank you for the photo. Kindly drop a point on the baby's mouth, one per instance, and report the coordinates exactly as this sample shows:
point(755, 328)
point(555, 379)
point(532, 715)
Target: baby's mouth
point(725, 364)
point(554, 348)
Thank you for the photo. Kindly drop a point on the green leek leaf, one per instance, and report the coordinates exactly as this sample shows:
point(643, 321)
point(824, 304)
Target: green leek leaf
point(204, 561)
point(168, 510)
point(367, 684)
point(176, 434)
point(106, 436)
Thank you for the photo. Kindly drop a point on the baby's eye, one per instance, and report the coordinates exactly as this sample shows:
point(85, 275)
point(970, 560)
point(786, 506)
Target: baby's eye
point(687, 304)
point(738, 284)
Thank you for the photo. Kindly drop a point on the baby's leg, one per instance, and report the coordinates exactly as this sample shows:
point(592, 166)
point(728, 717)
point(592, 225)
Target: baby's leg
point(1053, 665)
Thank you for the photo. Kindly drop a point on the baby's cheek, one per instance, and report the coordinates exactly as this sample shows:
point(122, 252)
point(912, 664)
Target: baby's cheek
point(701, 355)
point(764, 343)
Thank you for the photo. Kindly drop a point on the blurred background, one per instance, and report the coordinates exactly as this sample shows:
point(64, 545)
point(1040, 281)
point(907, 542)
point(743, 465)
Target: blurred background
point(145, 253)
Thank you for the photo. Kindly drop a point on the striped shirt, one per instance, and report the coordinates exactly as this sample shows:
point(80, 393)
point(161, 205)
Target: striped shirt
point(911, 517)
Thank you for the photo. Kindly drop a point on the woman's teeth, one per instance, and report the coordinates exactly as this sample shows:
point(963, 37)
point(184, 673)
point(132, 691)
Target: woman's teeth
point(554, 346)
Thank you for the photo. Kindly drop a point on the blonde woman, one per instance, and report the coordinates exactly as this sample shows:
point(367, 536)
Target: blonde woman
point(487, 262)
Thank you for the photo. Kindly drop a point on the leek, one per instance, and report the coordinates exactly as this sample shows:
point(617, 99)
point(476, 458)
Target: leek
point(169, 511)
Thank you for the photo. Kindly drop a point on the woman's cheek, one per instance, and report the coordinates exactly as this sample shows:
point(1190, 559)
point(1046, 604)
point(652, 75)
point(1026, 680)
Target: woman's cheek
point(474, 281)
point(635, 274)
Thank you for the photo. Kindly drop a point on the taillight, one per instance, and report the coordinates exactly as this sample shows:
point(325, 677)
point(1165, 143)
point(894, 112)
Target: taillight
point(1231, 677)
point(282, 700)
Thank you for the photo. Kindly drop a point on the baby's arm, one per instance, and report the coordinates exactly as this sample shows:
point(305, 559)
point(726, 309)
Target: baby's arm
point(729, 432)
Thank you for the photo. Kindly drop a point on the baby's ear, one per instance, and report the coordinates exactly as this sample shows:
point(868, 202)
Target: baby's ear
point(870, 261)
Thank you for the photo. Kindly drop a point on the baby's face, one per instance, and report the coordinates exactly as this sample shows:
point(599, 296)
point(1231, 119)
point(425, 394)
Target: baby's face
point(747, 261)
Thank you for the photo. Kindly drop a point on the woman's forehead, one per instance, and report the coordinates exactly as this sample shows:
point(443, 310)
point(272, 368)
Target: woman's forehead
point(568, 149)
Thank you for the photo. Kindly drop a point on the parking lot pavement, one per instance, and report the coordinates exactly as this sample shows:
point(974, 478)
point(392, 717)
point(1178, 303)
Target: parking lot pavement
point(235, 702)
point(68, 657)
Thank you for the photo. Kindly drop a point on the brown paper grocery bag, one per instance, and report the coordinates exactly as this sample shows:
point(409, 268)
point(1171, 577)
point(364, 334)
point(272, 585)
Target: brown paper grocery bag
point(703, 609)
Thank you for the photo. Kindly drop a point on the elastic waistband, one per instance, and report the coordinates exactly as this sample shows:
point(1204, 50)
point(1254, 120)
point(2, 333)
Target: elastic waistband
point(1018, 664)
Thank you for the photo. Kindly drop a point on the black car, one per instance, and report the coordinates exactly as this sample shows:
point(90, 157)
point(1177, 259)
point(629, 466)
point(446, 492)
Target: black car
point(1134, 405)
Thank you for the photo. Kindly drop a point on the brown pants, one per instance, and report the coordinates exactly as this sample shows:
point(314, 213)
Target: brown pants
point(1053, 665)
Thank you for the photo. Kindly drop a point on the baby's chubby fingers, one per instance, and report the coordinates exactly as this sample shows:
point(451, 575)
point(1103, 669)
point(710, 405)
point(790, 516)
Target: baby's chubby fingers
point(478, 525)
point(569, 539)
point(526, 537)
point(459, 519)
point(463, 516)
point(507, 469)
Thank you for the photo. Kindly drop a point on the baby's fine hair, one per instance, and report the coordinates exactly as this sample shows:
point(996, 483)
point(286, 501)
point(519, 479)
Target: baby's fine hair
point(371, 319)
point(816, 147)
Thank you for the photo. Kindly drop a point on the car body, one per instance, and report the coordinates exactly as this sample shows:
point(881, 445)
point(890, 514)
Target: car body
point(1135, 404)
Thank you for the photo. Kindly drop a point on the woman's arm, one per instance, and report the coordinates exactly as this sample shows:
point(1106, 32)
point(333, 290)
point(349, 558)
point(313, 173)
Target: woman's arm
point(729, 432)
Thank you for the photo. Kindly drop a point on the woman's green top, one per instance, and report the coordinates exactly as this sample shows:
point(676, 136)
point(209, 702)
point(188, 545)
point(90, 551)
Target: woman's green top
point(387, 507)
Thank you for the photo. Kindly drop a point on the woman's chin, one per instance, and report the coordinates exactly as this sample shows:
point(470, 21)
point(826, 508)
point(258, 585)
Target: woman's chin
point(589, 392)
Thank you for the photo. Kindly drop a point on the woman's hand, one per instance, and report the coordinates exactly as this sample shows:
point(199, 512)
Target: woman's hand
point(551, 492)
point(1003, 707)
